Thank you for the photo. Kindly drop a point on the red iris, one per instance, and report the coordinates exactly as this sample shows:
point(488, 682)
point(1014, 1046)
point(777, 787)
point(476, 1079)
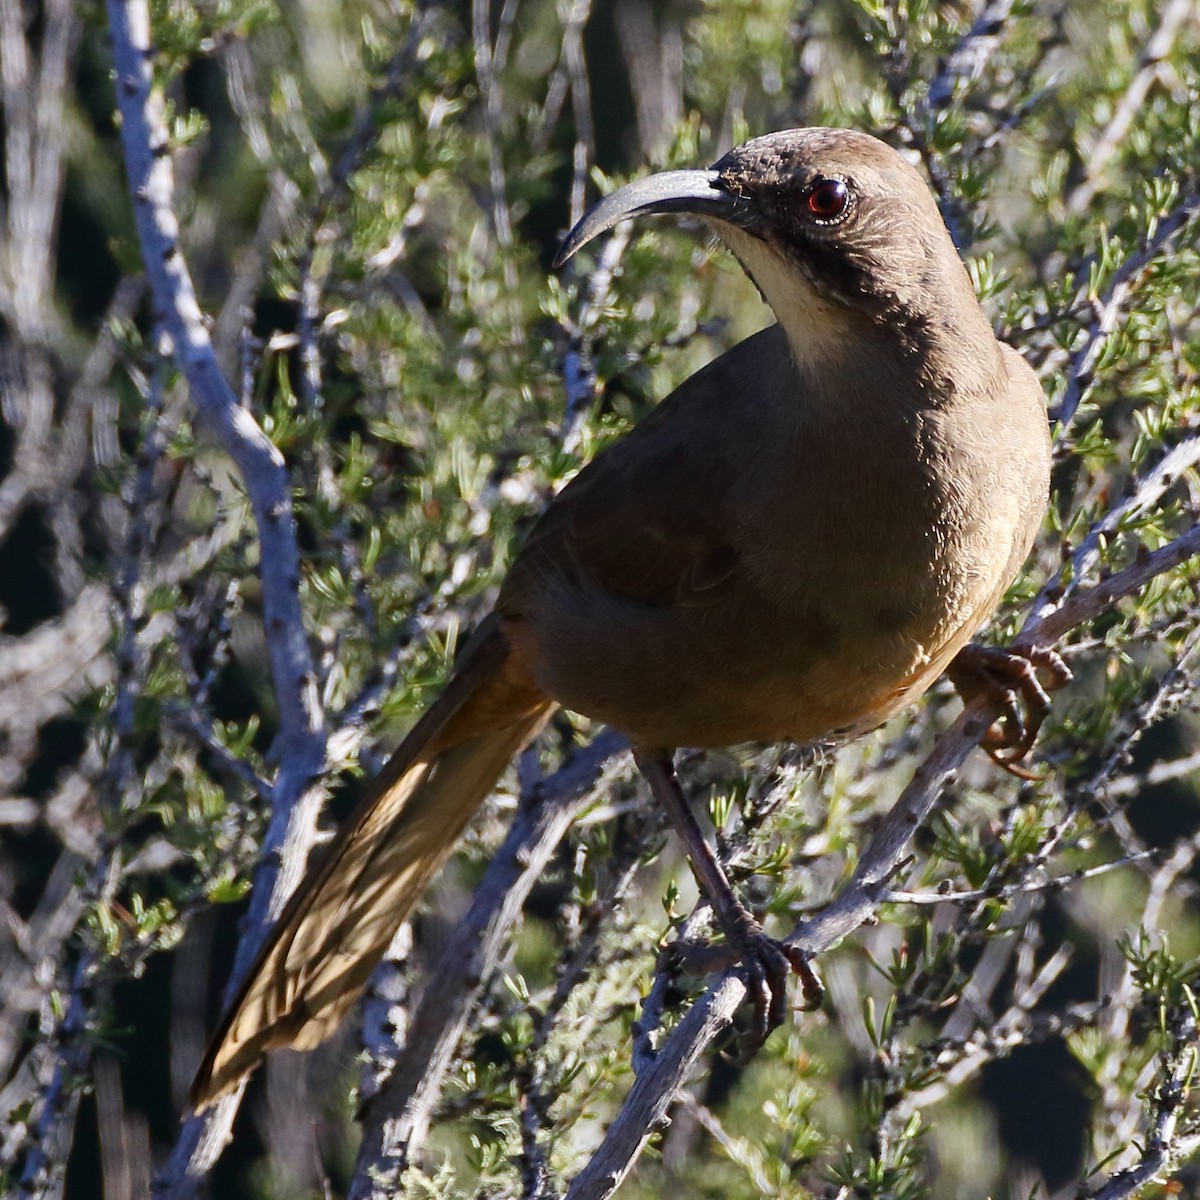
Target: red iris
point(827, 199)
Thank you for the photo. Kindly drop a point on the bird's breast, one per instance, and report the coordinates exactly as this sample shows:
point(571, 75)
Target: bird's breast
point(857, 575)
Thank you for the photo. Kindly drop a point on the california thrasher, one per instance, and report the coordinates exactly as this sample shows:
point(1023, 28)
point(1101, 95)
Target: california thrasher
point(795, 544)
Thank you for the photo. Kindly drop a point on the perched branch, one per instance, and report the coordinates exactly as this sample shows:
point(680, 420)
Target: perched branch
point(1053, 616)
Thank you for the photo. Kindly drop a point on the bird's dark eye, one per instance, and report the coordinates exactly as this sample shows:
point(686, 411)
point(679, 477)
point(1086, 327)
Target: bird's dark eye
point(827, 199)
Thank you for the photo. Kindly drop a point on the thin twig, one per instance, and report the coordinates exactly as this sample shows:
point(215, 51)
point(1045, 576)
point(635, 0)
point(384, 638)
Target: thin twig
point(87, 991)
point(1110, 306)
point(1149, 70)
point(1162, 1148)
point(968, 60)
point(1007, 892)
point(488, 60)
point(579, 375)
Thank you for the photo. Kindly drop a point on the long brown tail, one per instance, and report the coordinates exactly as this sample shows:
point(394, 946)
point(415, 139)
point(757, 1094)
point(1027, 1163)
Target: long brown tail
point(335, 928)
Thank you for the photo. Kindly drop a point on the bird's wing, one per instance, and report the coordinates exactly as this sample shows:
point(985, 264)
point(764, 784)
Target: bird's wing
point(649, 519)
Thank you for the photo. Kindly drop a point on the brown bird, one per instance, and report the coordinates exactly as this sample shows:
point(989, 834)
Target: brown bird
point(794, 545)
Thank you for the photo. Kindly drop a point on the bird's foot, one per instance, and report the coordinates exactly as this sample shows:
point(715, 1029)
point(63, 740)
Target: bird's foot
point(1019, 682)
point(767, 963)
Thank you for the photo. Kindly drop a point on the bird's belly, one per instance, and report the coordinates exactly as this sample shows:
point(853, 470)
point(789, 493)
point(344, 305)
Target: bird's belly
point(744, 672)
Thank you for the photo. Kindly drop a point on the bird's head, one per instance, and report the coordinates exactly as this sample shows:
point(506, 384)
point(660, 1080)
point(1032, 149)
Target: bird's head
point(832, 225)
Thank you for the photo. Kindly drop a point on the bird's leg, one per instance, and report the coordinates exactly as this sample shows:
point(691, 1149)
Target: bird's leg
point(1010, 679)
point(767, 961)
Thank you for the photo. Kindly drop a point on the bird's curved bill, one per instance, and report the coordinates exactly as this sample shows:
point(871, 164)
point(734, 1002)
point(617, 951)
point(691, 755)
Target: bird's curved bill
point(699, 192)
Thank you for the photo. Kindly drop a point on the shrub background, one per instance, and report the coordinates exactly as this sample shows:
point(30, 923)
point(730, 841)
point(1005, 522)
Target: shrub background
point(369, 196)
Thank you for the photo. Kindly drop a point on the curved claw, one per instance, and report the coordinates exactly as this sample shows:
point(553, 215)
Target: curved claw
point(768, 962)
point(1010, 680)
point(811, 987)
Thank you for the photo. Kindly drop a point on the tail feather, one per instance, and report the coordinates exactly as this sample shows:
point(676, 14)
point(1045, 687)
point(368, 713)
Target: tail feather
point(337, 926)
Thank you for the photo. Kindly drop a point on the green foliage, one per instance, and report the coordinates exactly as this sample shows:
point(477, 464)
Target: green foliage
point(387, 224)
